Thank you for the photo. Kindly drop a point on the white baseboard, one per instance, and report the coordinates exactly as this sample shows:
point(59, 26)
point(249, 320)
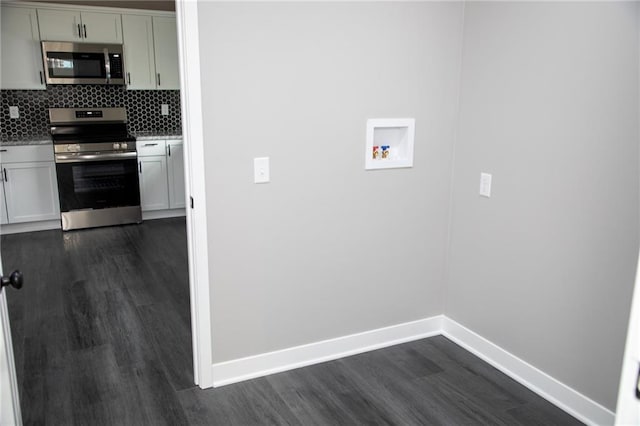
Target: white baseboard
point(554, 391)
point(225, 373)
point(549, 388)
point(43, 225)
point(162, 214)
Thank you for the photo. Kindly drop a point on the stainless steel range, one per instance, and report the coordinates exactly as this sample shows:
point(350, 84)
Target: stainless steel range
point(97, 167)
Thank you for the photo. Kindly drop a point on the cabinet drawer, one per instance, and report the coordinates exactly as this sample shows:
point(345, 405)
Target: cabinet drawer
point(151, 147)
point(26, 154)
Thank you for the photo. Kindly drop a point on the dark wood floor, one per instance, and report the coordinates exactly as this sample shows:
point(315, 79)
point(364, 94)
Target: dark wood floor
point(102, 336)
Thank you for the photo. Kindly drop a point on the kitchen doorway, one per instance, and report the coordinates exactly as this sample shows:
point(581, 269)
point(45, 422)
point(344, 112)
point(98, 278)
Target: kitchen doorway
point(89, 282)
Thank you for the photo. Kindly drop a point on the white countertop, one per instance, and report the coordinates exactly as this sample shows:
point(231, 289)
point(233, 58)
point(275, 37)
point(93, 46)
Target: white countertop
point(38, 140)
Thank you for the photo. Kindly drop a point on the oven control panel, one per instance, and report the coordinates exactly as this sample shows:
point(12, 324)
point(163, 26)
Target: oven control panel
point(89, 114)
point(102, 147)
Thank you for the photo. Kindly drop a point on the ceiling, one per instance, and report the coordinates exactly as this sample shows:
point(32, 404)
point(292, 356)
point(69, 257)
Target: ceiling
point(169, 5)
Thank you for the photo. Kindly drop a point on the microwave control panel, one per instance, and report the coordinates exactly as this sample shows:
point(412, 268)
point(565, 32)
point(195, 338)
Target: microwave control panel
point(115, 60)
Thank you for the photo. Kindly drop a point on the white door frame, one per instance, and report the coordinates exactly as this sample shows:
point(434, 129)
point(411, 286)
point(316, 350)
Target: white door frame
point(194, 166)
point(9, 394)
point(628, 408)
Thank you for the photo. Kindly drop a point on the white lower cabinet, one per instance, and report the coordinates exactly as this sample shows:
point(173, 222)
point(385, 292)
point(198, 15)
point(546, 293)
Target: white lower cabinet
point(161, 171)
point(31, 192)
point(30, 187)
point(175, 167)
point(153, 182)
point(4, 219)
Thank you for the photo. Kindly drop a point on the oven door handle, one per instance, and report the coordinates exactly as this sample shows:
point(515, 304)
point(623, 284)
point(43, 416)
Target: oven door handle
point(83, 158)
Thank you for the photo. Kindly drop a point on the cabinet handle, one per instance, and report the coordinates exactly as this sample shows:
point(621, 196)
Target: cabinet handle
point(85, 31)
point(3, 150)
point(150, 144)
point(129, 78)
point(79, 32)
point(158, 79)
point(41, 79)
point(169, 150)
point(140, 166)
point(4, 171)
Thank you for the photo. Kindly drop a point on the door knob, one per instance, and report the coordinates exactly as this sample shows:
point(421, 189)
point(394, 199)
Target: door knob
point(15, 279)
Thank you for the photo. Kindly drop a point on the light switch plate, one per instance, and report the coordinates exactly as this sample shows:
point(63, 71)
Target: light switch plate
point(261, 170)
point(485, 185)
point(14, 112)
point(164, 109)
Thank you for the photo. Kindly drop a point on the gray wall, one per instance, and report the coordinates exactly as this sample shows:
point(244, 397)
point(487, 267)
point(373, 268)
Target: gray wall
point(549, 106)
point(326, 249)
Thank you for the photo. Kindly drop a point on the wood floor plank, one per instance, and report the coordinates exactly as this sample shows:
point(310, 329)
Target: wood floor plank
point(171, 339)
point(251, 403)
point(498, 396)
point(125, 330)
point(154, 396)
point(540, 413)
point(464, 361)
point(99, 391)
point(84, 315)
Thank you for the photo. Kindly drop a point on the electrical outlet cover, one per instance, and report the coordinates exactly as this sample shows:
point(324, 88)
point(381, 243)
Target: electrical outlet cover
point(14, 112)
point(261, 170)
point(164, 109)
point(485, 184)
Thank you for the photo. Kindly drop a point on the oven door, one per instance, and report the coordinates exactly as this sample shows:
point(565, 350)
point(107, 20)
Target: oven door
point(99, 181)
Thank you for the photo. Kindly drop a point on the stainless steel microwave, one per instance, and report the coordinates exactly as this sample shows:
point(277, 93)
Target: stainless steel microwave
point(82, 63)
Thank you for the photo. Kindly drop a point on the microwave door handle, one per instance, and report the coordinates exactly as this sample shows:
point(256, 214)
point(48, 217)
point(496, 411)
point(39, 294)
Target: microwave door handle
point(107, 65)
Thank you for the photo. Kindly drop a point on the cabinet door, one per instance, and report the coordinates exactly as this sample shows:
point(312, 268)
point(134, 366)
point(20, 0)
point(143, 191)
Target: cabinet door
point(101, 27)
point(21, 67)
point(175, 166)
point(139, 58)
point(154, 194)
point(165, 38)
point(31, 191)
point(4, 219)
point(59, 25)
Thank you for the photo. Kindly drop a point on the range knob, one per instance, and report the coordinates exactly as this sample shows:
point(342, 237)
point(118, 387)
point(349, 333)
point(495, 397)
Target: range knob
point(124, 145)
point(73, 147)
point(116, 146)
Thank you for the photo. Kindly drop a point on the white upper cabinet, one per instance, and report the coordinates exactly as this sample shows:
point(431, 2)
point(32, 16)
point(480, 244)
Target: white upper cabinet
point(21, 65)
point(151, 52)
point(166, 52)
point(101, 27)
point(60, 25)
point(139, 57)
point(80, 26)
